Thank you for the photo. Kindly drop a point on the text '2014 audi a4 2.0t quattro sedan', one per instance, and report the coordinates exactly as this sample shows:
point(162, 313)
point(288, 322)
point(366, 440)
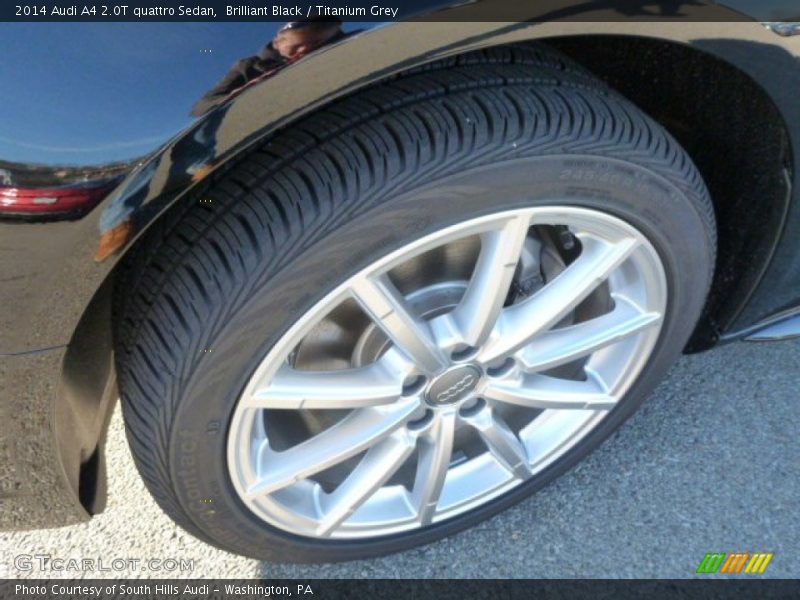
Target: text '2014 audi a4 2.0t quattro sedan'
point(371, 285)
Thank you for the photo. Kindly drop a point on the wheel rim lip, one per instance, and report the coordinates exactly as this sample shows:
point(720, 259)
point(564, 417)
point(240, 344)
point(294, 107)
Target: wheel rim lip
point(240, 454)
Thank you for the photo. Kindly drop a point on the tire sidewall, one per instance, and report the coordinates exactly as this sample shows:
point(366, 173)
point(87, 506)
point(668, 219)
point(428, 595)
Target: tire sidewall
point(197, 450)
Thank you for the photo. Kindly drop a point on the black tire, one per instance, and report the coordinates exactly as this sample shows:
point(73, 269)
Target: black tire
point(344, 186)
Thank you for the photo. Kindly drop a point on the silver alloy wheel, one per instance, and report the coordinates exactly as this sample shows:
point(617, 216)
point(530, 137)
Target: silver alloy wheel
point(451, 391)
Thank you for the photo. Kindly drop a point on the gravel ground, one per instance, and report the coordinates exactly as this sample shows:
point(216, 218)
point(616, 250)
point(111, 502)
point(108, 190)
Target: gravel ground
point(708, 464)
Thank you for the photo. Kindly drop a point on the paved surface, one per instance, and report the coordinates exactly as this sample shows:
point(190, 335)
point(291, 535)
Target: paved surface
point(710, 463)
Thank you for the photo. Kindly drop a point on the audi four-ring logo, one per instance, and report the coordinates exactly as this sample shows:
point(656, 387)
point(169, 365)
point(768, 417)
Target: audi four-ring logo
point(454, 390)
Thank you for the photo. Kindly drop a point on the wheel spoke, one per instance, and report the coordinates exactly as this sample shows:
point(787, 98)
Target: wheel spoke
point(390, 311)
point(435, 451)
point(503, 443)
point(350, 436)
point(562, 346)
point(375, 469)
point(373, 385)
point(477, 312)
point(519, 324)
point(543, 392)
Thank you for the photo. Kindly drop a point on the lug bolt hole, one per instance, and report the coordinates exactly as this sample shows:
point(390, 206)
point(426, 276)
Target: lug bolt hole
point(501, 368)
point(414, 384)
point(472, 407)
point(422, 422)
point(463, 352)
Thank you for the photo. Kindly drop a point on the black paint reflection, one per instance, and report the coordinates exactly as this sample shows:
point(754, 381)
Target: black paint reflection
point(193, 157)
point(292, 42)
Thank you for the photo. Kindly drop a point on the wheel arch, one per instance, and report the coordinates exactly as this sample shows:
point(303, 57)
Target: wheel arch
point(247, 122)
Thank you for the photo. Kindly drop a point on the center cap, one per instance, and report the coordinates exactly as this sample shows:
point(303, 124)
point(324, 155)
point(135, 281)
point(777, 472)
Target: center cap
point(453, 385)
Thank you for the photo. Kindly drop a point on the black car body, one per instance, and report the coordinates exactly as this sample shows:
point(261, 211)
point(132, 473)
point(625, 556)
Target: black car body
point(88, 124)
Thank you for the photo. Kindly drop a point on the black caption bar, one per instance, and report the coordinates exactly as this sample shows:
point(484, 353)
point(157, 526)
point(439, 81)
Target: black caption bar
point(377, 10)
point(439, 589)
point(237, 10)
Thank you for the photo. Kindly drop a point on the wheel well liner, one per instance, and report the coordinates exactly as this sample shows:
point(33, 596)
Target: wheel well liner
point(735, 135)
